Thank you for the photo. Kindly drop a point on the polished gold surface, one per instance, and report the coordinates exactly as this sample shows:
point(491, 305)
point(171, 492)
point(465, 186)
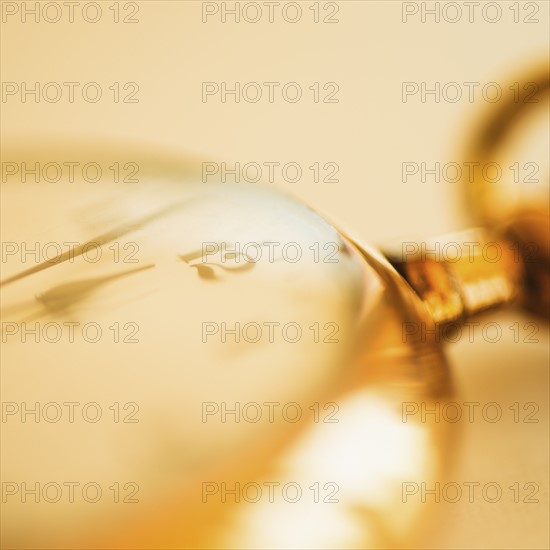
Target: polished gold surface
point(465, 280)
point(518, 207)
point(512, 129)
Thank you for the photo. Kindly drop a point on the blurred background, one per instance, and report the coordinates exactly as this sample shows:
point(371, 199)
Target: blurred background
point(360, 52)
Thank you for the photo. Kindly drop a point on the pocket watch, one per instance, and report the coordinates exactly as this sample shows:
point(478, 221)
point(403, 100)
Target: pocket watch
point(212, 365)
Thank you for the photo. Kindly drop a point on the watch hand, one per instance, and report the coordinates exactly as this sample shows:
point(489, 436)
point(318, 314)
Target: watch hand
point(97, 241)
point(59, 298)
point(66, 294)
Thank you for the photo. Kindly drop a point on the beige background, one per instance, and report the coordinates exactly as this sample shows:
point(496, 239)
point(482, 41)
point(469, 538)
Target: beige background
point(369, 133)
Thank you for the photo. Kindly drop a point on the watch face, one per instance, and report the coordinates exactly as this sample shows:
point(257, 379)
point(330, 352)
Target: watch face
point(167, 342)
